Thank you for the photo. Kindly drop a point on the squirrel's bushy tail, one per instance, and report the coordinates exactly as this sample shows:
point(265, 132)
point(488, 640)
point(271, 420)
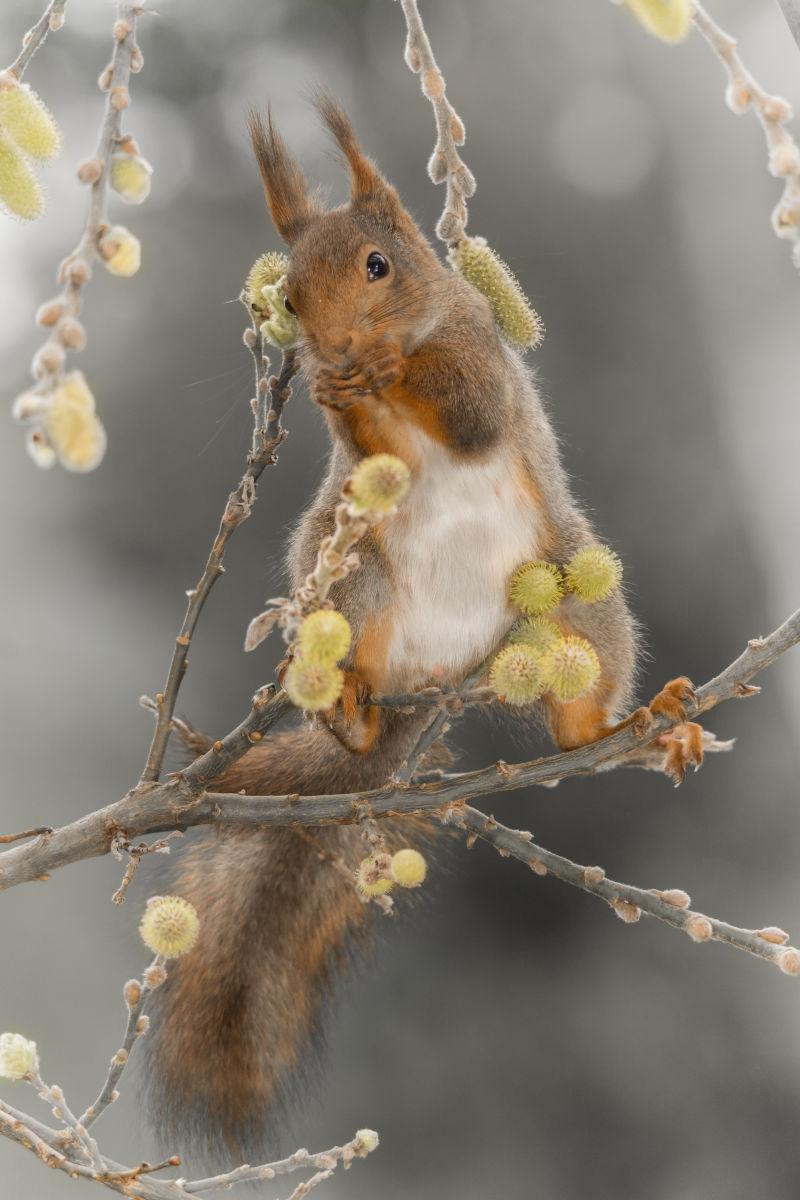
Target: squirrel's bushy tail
point(232, 1022)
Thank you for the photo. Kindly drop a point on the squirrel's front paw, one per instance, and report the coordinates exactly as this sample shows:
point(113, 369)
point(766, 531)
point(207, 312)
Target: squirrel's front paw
point(339, 387)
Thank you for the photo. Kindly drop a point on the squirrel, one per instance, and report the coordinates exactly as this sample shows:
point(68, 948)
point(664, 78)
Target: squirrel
point(403, 356)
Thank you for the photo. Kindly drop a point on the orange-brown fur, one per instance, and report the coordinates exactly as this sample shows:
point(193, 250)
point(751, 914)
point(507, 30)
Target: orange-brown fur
point(410, 364)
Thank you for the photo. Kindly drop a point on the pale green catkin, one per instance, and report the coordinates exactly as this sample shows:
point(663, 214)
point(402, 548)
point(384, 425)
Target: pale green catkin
point(517, 321)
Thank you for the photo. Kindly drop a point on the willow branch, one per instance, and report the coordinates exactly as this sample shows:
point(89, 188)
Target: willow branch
point(267, 436)
point(158, 808)
point(773, 112)
point(670, 905)
point(445, 165)
point(51, 19)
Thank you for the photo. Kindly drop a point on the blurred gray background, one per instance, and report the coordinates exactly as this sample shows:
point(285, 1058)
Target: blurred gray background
point(511, 1037)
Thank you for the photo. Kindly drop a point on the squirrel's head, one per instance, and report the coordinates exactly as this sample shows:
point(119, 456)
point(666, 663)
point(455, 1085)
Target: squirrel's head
point(356, 272)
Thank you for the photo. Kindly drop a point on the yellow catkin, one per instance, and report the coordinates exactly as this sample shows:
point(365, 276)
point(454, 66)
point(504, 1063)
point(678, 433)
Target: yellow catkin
point(669, 20)
point(28, 122)
point(19, 1058)
point(170, 926)
point(20, 193)
point(516, 319)
point(593, 573)
point(73, 427)
point(378, 484)
point(267, 269)
point(571, 668)
point(314, 686)
point(130, 177)
point(408, 868)
point(324, 636)
point(536, 587)
point(517, 675)
point(538, 633)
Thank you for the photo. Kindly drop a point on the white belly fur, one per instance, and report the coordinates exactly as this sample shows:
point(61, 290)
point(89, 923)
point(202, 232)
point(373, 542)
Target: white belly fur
point(462, 530)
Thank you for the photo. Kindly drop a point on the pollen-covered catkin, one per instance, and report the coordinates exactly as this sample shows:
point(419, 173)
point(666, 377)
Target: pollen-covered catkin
point(516, 319)
point(314, 686)
point(593, 573)
point(517, 675)
point(538, 633)
point(130, 177)
point(267, 269)
point(408, 868)
point(170, 926)
point(121, 251)
point(571, 668)
point(324, 636)
point(378, 484)
point(536, 587)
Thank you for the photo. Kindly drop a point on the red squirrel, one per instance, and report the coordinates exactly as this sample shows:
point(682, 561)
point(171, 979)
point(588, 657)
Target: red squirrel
point(403, 356)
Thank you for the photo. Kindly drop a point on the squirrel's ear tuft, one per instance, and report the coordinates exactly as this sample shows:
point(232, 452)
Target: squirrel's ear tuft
point(285, 184)
point(366, 182)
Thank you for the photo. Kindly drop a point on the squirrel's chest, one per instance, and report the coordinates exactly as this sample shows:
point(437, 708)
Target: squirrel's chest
point(464, 527)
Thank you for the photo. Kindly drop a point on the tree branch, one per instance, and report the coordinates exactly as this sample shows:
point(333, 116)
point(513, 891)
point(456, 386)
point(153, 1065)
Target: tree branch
point(670, 905)
point(158, 808)
point(51, 19)
point(267, 436)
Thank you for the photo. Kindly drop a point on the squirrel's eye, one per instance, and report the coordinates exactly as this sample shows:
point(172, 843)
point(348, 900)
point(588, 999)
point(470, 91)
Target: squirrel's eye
point(287, 304)
point(377, 266)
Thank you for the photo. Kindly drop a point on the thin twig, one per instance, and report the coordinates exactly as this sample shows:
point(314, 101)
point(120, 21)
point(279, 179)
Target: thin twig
point(267, 436)
point(446, 165)
point(38, 831)
point(51, 19)
point(773, 112)
point(157, 808)
point(670, 905)
point(121, 846)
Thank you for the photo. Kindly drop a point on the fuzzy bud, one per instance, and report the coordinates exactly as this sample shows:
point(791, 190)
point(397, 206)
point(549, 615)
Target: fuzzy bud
point(786, 218)
point(437, 167)
point(593, 875)
point(281, 327)
point(412, 57)
point(408, 868)
point(676, 897)
point(132, 992)
point(377, 484)
point(432, 83)
point(465, 181)
point(130, 177)
point(121, 30)
point(313, 686)
point(29, 405)
point(154, 976)
point(56, 21)
point(699, 928)
point(627, 912)
point(104, 78)
point(48, 359)
point(450, 227)
point(73, 427)
point(169, 926)
point(365, 1141)
point(457, 130)
point(71, 333)
point(789, 960)
point(668, 20)
point(74, 270)
point(324, 636)
point(269, 268)
point(137, 60)
point(738, 97)
point(119, 98)
point(536, 587)
point(593, 573)
point(40, 450)
point(571, 668)
point(773, 934)
point(121, 251)
point(517, 321)
point(784, 159)
point(28, 122)
point(537, 633)
point(142, 1025)
point(19, 1058)
point(517, 676)
point(20, 193)
point(50, 312)
point(778, 109)
point(373, 876)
